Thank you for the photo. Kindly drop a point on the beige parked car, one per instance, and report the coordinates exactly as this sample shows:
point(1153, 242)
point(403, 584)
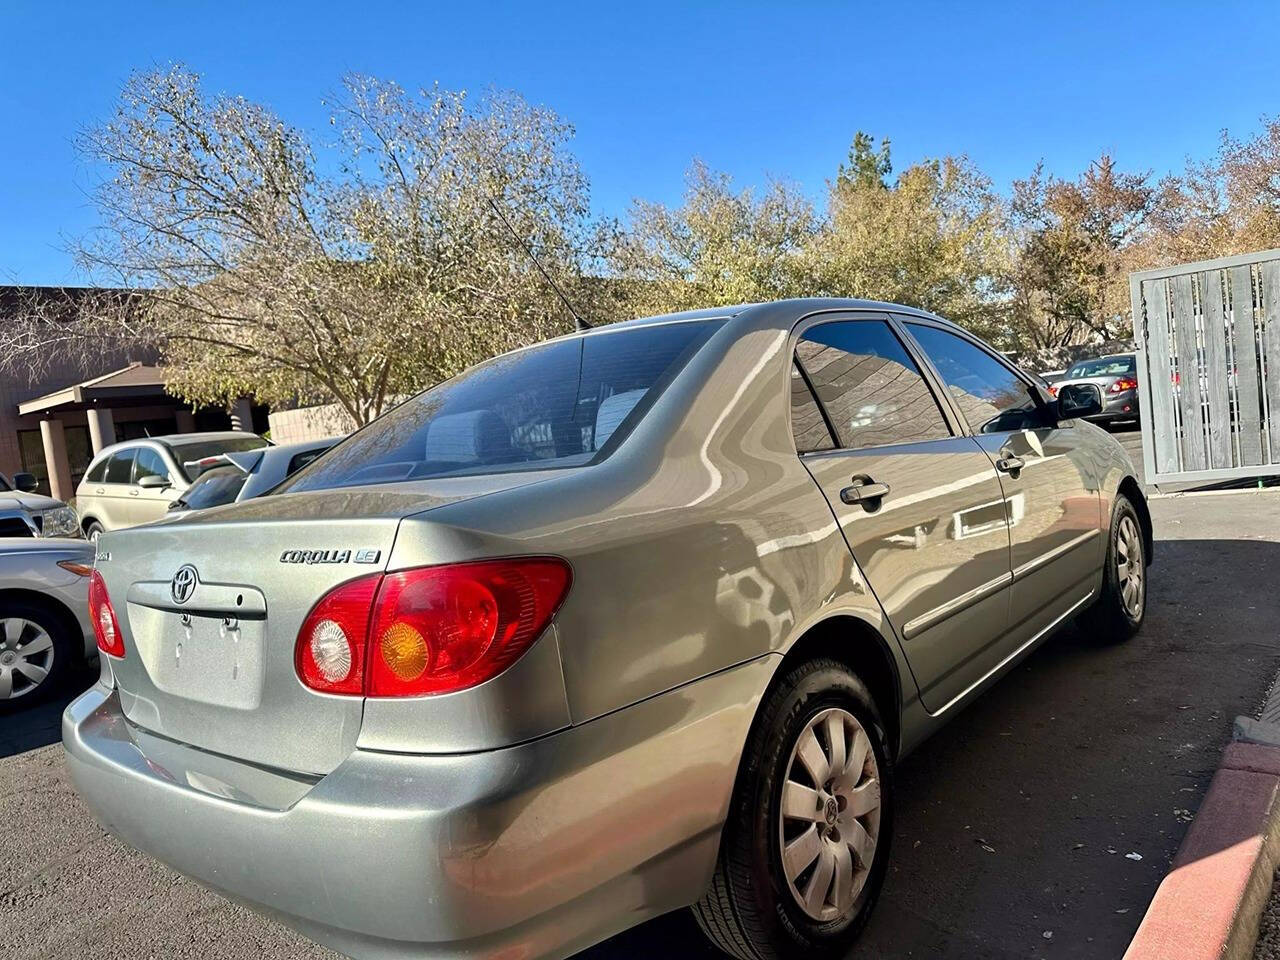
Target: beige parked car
point(134, 482)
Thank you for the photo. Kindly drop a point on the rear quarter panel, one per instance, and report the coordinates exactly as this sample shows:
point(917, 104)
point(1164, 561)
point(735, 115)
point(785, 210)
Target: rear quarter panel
point(701, 543)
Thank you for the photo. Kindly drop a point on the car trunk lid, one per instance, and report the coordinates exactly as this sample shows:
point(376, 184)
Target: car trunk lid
point(210, 611)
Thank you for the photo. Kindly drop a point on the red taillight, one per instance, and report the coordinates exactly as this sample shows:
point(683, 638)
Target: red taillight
point(1123, 384)
point(106, 628)
point(431, 629)
point(331, 647)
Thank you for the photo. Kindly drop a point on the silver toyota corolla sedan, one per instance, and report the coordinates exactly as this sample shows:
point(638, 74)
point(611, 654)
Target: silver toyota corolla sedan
point(636, 619)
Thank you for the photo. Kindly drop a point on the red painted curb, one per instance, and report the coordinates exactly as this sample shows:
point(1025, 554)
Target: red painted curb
point(1209, 905)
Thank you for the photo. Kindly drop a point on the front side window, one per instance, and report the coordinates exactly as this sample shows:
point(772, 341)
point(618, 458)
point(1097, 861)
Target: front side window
point(992, 397)
point(870, 387)
point(148, 463)
point(558, 404)
point(120, 468)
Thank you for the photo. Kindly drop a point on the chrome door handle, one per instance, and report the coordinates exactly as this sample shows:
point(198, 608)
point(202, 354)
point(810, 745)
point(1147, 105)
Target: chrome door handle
point(864, 491)
point(133, 493)
point(1010, 464)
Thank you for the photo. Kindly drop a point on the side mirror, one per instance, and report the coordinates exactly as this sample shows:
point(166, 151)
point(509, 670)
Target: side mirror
point(26, 482)
point(154, 483)
point(1079, 400)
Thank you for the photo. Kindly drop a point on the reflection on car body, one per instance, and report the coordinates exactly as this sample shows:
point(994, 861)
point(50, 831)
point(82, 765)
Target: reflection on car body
point(647, 601)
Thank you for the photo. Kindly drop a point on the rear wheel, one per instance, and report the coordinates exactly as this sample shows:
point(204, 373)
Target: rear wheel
point(36, 653)
point(1118, 612)
point(93, 530)
point(805, 848)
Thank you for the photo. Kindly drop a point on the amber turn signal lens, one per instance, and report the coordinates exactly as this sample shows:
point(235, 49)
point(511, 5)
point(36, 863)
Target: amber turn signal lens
point(404, 651)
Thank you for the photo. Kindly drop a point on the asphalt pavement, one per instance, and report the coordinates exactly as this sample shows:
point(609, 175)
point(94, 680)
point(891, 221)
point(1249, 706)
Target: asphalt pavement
point(1037, 824)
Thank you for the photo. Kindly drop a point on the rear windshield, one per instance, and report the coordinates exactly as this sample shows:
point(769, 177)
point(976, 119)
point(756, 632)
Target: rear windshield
point(1106, 367)
point(563, 403)
point(214, 488)
point(190, 456)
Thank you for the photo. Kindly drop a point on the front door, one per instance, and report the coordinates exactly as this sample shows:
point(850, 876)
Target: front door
point(920, 505)
point(1055, 507)
point(150, 503)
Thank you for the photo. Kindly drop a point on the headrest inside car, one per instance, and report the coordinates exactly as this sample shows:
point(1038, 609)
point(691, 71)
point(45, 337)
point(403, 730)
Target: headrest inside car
point(612, 411)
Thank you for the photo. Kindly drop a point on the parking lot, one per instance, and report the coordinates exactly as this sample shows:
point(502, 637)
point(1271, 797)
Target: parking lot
point(1018, 834)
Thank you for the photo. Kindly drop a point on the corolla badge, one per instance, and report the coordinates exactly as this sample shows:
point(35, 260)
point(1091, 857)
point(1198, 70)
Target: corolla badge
point(184, 583)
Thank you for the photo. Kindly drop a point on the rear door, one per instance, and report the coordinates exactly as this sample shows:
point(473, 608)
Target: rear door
point(114, 504)
point(1055, 507)
point(920, 505)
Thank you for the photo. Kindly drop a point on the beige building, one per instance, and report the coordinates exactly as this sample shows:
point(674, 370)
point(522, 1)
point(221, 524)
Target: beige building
point(53, 421)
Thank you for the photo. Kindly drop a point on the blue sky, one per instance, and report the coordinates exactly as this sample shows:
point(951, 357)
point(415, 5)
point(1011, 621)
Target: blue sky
point(754, 89)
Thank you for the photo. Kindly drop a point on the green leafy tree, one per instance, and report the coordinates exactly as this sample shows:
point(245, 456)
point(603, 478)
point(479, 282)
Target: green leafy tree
point(868, 166)
point(720, 246)
point(936, 239)
point(1077, 242)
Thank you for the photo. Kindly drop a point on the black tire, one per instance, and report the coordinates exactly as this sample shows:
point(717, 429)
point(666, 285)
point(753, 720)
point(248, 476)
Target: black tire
point(750, 911)
point(1111, 618)
point(66, 658)
point(93, 530)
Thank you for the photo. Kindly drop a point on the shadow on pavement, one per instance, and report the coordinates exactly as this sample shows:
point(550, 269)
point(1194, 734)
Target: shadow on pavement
point(27, 728)
point(1016, 822)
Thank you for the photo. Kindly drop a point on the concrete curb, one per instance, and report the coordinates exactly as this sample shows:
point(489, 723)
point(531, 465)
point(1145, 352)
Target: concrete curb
point(1209, 905)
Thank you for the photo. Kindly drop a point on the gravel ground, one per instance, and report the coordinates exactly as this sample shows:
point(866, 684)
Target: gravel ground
point(1013, 824)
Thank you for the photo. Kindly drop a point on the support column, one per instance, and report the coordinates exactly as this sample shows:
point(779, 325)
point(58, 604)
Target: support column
point(102, 428)
point(55, 459)
point(185, 420)
point(242, 415)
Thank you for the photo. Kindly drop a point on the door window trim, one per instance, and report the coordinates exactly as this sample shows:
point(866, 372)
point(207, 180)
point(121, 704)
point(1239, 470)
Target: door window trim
point(956, 426)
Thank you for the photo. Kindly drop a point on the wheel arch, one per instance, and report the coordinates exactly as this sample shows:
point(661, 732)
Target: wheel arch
point(1130, 487)
point(53, 606)
point(859, 645)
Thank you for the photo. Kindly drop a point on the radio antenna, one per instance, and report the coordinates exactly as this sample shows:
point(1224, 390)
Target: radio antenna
point(578, 322)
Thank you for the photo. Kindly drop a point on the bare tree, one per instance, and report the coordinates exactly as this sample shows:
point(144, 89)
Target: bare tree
point(355, 273)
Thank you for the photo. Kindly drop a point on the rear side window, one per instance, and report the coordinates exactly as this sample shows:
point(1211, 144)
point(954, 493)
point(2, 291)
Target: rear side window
point(214, 488)
point(120, 467)
point(199, 455)
point(563, 403)
point(99, 471)
point(300, 460)
point(870, 387)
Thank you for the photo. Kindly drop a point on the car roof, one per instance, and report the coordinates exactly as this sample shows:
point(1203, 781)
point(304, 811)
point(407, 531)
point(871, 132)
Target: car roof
point(172, 440)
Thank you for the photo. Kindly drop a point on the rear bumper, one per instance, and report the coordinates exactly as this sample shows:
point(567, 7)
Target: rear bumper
point(1118, 406)
point(539, 849)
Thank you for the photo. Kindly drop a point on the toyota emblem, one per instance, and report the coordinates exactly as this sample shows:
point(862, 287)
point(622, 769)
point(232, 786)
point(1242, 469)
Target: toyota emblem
point(184, 583)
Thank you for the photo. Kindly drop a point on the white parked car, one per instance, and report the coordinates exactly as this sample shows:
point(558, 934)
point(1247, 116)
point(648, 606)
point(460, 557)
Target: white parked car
point(134, 482)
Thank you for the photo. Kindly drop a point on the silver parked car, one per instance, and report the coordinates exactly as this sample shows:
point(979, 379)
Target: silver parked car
point(25, 513)
point(135, 481)
point(44, 615)
point(245, 474)
point(636, 619)
point(1116, 377)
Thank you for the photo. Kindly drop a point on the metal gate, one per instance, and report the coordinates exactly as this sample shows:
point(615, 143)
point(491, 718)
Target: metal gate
point(1208, 344)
